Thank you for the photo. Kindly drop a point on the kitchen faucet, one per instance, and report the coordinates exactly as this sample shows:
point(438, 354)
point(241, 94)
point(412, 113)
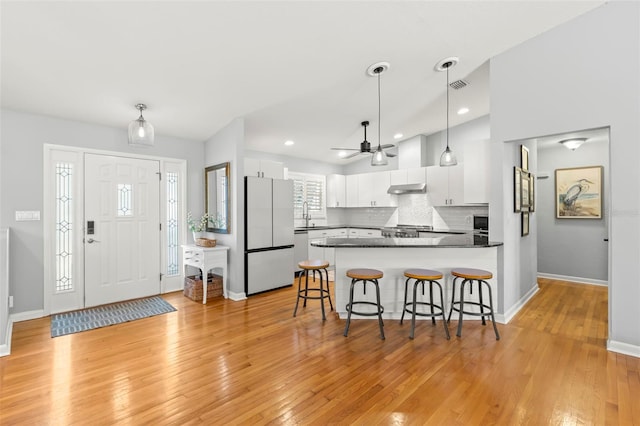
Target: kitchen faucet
point(306, 215)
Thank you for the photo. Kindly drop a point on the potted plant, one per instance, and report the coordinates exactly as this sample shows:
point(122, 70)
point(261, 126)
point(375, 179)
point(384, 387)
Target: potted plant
point(199, 227)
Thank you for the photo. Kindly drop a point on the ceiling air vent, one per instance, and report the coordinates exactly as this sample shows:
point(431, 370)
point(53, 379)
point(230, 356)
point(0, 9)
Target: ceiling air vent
point(458, 84)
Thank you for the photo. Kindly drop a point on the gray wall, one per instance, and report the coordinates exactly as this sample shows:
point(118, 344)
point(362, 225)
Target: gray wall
point(228, 145)
point(21, 156)
point(571, 248)
point(560, 81)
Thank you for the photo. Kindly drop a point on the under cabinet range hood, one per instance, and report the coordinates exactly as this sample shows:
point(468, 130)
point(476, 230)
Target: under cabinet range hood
point(410, 188)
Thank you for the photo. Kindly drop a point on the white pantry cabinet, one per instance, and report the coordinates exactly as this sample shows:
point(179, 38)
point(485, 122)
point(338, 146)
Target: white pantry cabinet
point(336, 191)
point(263, 168)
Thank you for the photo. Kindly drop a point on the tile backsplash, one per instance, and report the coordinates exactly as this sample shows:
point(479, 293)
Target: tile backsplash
point(413, 209)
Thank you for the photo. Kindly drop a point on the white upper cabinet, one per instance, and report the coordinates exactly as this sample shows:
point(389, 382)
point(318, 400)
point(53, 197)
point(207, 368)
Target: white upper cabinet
point(445, 185)
point(263, 168)
point(336, 191)
point(408, 176)
point(352, 190)
point(372, 190)
point(476, 172)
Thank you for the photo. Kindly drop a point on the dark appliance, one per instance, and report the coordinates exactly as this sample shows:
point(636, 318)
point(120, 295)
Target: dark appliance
point(480, 229)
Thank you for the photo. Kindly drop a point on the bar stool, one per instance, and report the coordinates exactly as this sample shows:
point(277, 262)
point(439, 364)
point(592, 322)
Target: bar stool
point(469, 275)
point(421, 276)
point(364, 275)
point(321, 292)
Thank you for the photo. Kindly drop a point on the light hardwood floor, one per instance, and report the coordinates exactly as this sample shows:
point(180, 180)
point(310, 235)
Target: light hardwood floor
point(251, 362)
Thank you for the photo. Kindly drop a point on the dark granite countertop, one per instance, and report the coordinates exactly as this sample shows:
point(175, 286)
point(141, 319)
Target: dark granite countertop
point(321, 227)
point(467, 240)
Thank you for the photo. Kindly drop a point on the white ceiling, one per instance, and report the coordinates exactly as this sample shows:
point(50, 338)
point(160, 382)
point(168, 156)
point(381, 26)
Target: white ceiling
point(294, 70)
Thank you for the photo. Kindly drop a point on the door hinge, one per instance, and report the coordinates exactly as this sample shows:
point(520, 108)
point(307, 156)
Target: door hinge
point(161, 275)
point(161, 227)
point(159, 175)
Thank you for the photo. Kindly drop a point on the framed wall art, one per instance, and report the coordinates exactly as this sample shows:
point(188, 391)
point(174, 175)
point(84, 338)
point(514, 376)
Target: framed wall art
point(524, 158)
point(532, 195)
point(517, 191)
point(525, 224)
point(579, 193)
point(525, 185)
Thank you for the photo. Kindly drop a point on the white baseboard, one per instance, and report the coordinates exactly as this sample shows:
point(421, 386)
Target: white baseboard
point(26, 316)
point(508, 315)
point(5, 347)
point(623, 348)
point(578, 280)
point(236, 297)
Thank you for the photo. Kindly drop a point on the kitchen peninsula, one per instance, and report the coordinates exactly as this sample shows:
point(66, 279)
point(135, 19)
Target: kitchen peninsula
point(394, 255)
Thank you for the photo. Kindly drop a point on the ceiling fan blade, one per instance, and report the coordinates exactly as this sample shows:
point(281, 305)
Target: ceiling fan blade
point(346, 149)
point(388, 145)
point(390, 154)
point(351, 155)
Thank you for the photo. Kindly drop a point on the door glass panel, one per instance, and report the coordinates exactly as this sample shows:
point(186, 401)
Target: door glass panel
point(64, 227)
point(125, 199)
point(172, 223)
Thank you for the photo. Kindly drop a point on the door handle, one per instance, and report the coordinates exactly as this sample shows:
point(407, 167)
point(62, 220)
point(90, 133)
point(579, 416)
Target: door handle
point(91, 241)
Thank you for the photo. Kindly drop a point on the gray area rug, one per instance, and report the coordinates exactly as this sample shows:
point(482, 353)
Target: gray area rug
point(102, 316)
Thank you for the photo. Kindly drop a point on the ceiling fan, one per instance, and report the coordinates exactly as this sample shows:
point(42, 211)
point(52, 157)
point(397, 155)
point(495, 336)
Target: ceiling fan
point(365, 146)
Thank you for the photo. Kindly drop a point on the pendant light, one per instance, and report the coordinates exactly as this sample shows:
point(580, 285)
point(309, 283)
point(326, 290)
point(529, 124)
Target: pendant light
point(379, 157)
point(140, 130)
point(448, 158)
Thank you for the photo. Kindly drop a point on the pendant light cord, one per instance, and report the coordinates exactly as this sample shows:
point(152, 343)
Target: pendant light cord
point(379, 118)
point(448, 106)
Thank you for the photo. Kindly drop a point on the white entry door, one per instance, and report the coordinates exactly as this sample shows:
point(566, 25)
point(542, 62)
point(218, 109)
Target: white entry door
point(121, 229)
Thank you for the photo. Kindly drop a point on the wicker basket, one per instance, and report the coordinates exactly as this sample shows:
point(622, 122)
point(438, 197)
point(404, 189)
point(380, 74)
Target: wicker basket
point(205, 242)
point(193, 287)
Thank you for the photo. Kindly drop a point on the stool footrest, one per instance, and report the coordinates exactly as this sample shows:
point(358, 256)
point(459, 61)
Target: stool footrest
point(368, 314)
point(455, 307)
point(438, 310)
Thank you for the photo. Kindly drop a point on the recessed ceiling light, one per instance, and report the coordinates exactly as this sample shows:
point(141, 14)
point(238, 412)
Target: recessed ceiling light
point(398, 135)
point(289, 143)
point(342, 154)
point(463, 111)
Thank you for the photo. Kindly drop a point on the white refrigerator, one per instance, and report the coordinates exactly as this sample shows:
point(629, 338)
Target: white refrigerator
point(268, 234)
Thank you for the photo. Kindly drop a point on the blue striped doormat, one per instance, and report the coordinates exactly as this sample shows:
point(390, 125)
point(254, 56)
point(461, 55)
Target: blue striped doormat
point(102, 316)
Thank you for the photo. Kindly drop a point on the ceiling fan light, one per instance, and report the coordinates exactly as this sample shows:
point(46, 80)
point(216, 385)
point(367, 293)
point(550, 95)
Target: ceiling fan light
point(140, 130)
point(448, 158)
point(379, 158)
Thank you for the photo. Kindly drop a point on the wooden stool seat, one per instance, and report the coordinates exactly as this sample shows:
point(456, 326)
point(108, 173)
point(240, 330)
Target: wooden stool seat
point(318, 293)
point(313, 265)
point(364, 274)
point(471, 274)
point(423, 274)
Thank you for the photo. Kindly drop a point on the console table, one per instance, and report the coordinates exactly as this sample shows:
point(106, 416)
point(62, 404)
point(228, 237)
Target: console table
point(206, 258)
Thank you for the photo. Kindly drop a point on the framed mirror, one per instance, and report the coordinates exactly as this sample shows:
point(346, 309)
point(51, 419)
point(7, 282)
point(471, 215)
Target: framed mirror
point(216, 197)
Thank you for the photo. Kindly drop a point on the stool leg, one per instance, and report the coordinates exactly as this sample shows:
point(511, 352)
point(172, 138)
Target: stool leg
point(433, 318)
point(324, 318)
point(380, 323)
point(493, 320)
point(299, 289)
point(413, 309)
point(459, 333)
point(444, 320)
point(349, 306)
point(481, 301)
point(328, 289)
point(404, 304)
point(453, 297)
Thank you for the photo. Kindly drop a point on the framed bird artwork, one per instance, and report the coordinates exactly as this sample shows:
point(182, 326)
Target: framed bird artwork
point(579, 193)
